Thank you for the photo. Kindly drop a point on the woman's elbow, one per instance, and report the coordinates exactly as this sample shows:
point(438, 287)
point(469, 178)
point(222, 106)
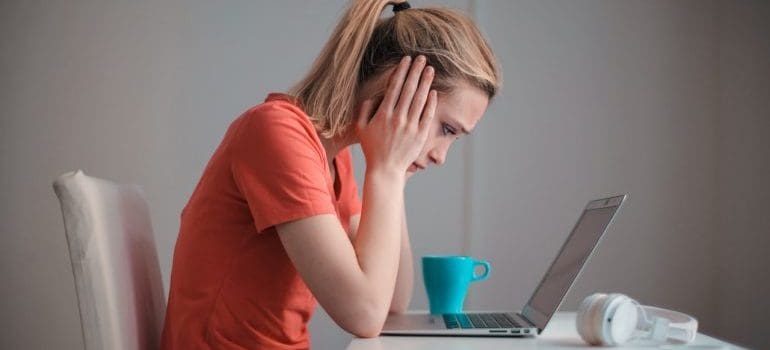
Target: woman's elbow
point(366, 324)
point(366, 332)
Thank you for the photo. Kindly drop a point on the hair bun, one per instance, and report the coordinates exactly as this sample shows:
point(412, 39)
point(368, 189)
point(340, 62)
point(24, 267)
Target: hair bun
point(401, 6)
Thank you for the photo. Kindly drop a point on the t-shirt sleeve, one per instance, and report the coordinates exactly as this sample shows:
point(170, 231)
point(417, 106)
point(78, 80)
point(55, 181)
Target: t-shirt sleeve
point(278, 167)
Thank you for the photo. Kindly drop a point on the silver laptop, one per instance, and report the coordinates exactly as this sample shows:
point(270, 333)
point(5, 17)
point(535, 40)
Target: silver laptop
point(533, 318)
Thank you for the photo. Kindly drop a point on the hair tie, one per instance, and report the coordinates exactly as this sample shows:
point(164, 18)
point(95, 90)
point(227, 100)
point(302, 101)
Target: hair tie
point(401, 6)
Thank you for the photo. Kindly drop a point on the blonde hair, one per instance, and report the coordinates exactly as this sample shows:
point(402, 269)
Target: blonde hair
point(363, 45)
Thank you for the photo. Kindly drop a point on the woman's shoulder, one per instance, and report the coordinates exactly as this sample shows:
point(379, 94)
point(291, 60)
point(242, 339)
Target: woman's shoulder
point(277, 121)
point(279, 113)
point(276, 107)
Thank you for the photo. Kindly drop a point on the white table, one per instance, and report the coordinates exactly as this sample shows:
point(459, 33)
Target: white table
point(559, 334)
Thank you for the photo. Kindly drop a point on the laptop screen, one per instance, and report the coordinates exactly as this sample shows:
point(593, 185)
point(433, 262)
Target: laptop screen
point(573, 255)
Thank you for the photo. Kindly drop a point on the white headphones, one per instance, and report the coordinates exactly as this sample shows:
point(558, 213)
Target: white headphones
point(613, 319)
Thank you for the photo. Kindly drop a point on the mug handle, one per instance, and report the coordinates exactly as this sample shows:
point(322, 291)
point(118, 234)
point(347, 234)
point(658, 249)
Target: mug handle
point(484, 275)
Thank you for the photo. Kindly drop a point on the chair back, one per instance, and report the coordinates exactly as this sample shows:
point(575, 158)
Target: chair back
point(114, 262)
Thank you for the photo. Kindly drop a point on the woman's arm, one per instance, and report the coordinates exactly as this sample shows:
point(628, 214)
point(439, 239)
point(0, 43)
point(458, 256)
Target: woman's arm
point(355, 281)
point(402, 294)
point(405, 280)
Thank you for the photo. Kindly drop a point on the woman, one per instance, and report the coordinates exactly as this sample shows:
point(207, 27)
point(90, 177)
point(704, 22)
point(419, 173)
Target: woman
point(275, 223)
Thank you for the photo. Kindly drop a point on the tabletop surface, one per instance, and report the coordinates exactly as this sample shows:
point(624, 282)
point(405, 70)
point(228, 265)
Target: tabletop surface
point(559, 334)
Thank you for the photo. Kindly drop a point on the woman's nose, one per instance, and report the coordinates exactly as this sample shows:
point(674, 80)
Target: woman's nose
point(438, 155)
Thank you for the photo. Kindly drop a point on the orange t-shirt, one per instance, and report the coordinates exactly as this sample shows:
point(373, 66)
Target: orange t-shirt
point(232, 284)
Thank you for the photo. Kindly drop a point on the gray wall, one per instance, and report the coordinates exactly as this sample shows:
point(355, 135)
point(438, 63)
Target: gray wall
point(601, 98)
point(743, 147)
point(664, 100)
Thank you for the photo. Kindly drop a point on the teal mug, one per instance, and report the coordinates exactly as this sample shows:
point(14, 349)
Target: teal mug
point(447, 279)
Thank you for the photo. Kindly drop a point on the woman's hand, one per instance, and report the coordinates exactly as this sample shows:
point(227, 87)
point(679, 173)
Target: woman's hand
point(393, 138)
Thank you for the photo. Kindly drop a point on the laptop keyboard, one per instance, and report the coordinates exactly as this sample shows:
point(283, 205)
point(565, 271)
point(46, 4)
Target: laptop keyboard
point(485, 320)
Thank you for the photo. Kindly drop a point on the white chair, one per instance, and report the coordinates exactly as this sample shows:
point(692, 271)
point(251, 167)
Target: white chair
point(114, 261)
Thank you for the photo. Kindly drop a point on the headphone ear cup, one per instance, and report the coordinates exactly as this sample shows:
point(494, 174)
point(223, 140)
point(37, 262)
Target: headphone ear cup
point(596, 319)
point(586, 313)
point(620, 320)
point(581, 315)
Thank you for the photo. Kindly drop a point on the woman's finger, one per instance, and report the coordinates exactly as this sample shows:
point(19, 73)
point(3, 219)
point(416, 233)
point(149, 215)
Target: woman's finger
point(421, 96)
point(364, 113)
point(409, 87)
point(428, 113)
point(395, 83)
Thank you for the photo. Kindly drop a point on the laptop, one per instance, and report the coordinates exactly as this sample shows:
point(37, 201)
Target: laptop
point(548, 295)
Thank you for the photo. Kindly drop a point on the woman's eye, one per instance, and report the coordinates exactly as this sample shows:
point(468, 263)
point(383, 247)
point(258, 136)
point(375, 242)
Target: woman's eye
point(446, 129)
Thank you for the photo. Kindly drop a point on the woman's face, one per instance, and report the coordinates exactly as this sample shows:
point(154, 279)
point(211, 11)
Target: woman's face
point(456, 116)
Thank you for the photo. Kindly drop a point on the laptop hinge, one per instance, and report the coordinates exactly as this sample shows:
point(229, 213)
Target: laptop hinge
point(520, 318)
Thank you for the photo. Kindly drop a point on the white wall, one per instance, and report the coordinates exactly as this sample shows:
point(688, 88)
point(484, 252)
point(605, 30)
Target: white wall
point(600, 97)
point(743, 138)
point(136, 91)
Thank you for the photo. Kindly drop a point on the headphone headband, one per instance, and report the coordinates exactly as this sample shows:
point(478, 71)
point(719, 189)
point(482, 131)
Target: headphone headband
point(682, 327)
point(613, 319)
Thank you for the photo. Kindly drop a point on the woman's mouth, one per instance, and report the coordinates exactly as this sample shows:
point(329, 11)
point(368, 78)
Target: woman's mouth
point(415, 168)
